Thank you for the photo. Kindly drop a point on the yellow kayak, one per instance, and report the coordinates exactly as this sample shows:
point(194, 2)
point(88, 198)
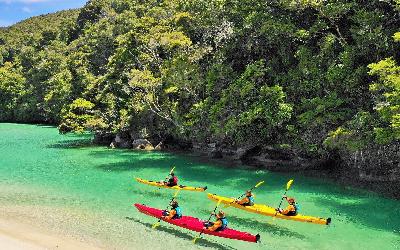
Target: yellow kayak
point(270, 211)
point(162, 185)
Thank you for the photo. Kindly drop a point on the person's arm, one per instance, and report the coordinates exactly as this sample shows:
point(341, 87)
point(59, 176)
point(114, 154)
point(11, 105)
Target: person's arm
point(290, 208)
point(216, 225)
point(171, 214)
point(243, 201)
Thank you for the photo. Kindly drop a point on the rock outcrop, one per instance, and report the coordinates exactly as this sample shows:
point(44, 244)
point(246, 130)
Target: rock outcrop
point(120, 142)
point(142, 144)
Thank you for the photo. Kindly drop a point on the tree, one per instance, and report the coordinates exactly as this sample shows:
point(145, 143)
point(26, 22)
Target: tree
point(12, 91)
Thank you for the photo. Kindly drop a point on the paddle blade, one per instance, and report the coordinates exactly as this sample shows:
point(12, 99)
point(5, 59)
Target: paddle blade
point(194, 239)
point(155, 225)
point(218, 203)
point(289, 184)
point(172, 170)
point(259, 184)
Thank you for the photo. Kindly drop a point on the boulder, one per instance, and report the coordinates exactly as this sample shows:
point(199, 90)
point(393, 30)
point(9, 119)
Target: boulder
point(142, 144)
point(103, 138)
point(120, 142)
point(216, 154)
point(245, 152)
point(159, 146)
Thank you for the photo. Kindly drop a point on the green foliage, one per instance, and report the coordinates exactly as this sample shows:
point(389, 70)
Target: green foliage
point(32, 30)
point(387, 99)
point(325, 111)
point(12, 92)
point(355, 135)
point(249, 108)
point(77, 116)
point(308, 74)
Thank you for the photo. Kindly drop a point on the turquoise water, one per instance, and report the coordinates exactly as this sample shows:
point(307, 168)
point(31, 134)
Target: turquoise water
point(39, 167)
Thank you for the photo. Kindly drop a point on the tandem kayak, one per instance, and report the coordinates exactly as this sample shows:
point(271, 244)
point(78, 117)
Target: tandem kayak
point(195, 224)
point(270, 211)
point(161, 185)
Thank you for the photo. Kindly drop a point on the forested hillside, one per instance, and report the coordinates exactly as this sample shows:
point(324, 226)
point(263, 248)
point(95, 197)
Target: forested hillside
point(318, 79)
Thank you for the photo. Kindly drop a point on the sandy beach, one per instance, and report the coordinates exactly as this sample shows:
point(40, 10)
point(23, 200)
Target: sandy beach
point(16, 236)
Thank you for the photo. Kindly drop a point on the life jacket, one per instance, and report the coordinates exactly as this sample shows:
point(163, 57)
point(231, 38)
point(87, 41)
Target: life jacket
point(173, 181)
point(224, 223)
point(297, 207)
point(178, 214)
point(292, 213)
point(250, 202)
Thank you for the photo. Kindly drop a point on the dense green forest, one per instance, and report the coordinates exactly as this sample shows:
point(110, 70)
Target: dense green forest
point(312, 76)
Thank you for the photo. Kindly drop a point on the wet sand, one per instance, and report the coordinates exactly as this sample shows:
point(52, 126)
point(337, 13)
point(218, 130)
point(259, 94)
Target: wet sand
point(16, 236)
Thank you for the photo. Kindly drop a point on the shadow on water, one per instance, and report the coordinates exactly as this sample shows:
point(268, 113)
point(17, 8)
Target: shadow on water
point(369, 212)
point(119, 166)
point(74, 143)
point(201, 242)
point(266, 227)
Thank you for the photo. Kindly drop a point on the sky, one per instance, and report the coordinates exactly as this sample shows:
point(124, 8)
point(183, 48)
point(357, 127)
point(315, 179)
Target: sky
point(13, 11)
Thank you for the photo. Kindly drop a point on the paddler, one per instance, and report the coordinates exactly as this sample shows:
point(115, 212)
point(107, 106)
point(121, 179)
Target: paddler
point(219, 225)
point(248, 200)
point(291, 209)
point(172, 181)
point(174, 213)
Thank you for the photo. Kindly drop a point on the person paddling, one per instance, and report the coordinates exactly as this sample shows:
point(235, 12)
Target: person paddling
point(172, 181)
point(174, 213)
point(291, 209)
point(248, 200)
point(219, 225)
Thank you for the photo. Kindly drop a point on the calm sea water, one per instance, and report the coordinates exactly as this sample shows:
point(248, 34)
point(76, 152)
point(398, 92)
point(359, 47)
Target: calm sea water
point(41, 168)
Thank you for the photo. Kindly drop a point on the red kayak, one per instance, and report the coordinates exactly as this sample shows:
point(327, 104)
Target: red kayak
point(197, 225)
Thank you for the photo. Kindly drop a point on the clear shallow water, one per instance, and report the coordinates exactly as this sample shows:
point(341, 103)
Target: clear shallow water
point(40, 167)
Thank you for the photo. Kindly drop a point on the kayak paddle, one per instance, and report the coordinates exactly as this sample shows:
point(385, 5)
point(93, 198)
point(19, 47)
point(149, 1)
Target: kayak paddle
point(209, 218)
point(166, 178)
point(251, 189)
point(158, 222)
point(170, 172)
point(287, 188)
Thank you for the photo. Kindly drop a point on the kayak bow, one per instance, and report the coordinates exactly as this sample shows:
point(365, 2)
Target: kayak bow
point(269, 211)
point(161, 185)
point(195, 224)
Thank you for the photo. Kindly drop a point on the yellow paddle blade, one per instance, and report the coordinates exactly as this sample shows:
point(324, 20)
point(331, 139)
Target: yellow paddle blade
point(172, 170)
point(194, 239)
point(289, 184)
point(155, 225)
point(259, 184)
point(176, 193)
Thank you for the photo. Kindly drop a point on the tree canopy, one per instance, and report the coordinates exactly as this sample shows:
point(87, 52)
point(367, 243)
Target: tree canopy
point(311, 75)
